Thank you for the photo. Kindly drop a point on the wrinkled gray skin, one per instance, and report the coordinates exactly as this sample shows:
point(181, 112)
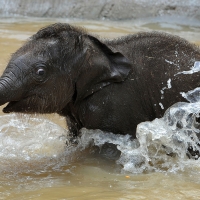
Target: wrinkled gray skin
point(110, 85)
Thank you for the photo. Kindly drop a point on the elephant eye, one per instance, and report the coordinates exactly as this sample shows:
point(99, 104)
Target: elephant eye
point(40, 72)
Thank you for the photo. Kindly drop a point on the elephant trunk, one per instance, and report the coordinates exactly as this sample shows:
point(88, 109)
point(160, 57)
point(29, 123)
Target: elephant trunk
point(9, 90)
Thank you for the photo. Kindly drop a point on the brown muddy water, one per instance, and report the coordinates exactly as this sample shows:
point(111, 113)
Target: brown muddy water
point(35, 162)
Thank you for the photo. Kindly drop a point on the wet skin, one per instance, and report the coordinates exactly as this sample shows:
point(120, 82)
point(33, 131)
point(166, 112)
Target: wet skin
point(111, 85)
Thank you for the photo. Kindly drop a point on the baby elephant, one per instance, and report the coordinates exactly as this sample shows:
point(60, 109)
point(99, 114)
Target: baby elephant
point(111, 85)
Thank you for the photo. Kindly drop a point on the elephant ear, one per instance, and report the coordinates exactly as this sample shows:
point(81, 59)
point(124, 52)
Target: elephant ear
point(103, 68)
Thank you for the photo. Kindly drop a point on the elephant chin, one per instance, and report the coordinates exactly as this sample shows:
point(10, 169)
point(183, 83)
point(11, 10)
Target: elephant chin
point(17, 106)
point(30, 105)
point(7, 108)
point(22, 106)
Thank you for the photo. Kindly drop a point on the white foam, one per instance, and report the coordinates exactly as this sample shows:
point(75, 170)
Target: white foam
point(169, 83)
point(194, 69)
point(170, 62)
point(161, 105)
point(192, 95)
point(162, 91)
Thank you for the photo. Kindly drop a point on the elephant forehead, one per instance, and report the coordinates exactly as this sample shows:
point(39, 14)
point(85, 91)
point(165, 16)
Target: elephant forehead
point(40, 47)
point(27, 60)
point(20, 60)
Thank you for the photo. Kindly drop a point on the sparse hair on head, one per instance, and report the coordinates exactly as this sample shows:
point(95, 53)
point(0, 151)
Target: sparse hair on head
point(56, 31)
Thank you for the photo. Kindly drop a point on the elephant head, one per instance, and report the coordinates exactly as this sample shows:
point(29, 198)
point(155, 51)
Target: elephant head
point(58, 65)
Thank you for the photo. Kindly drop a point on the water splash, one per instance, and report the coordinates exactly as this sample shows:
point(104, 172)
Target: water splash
point(170, 143)
point(192, 95)
point(29, 142)
point(194, 69)
point(165, 144)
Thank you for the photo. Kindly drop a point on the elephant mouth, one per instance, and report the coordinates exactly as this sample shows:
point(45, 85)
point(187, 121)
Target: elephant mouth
point(30, 105)
point(9, 105)
point(17, 106)
point(25, 105)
